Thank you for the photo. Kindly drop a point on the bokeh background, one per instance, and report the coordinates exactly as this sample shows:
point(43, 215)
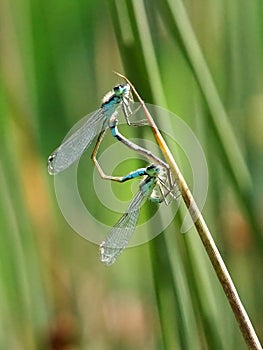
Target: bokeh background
point(203, 61)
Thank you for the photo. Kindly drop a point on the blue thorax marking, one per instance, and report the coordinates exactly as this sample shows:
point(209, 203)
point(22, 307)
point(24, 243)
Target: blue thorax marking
point(112, 101)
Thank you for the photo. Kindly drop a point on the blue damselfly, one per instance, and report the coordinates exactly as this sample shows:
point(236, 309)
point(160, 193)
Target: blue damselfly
point(153, 188)
point(74, 146)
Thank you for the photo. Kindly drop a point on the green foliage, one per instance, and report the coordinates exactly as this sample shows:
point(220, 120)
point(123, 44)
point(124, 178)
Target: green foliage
point(201, 60)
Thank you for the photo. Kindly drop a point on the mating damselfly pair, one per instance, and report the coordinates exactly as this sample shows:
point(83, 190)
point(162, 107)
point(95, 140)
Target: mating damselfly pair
point(156, 186)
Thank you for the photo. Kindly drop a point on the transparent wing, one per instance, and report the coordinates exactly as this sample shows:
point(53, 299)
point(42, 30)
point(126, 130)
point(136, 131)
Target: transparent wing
point(73, 147)
point(118, 237)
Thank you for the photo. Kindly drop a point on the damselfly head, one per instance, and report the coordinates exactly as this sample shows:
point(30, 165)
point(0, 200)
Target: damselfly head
point(122, 89)
point(117, 94)
point(153, 170)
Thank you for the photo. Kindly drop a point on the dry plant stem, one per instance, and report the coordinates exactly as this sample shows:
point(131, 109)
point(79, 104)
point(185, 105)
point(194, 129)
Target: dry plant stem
point(242, 318)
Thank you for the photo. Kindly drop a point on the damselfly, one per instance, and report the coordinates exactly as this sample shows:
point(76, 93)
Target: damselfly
point(73, 147)
point(119, 236)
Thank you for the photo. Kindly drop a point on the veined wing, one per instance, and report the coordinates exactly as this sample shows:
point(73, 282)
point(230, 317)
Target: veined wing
point(118, 237)
point(73, 147)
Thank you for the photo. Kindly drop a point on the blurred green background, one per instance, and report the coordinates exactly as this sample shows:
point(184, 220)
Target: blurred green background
point(203, 61)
